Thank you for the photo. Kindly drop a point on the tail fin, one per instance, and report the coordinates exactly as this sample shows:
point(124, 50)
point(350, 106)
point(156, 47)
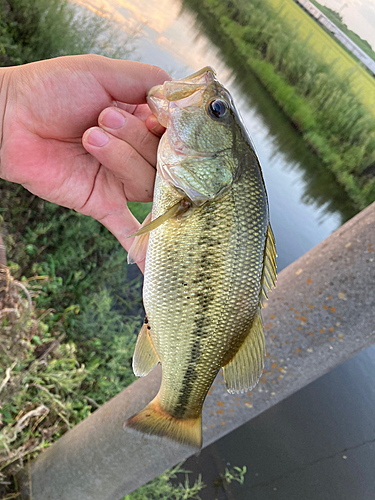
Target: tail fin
point(156, 421)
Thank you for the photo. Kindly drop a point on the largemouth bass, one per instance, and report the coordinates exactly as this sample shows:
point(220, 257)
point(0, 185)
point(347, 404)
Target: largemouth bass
point(210, 258)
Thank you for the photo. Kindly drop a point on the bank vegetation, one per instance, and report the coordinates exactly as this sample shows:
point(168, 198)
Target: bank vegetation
point(317, 99)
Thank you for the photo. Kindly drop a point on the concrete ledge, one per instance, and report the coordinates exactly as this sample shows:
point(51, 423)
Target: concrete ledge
point(321, 313)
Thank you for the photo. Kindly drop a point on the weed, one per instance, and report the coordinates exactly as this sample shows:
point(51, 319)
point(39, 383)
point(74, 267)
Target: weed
point(162, 487)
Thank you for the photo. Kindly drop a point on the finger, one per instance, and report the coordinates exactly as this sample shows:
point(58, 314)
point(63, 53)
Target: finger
point(131, 130)
point(115, 223)
point(154, 126)
point(126, 81)
point(123, 161)
point(129, 108)
point(141, 111)
point(108, 205)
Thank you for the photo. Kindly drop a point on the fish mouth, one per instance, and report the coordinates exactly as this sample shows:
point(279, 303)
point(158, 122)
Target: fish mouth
point(158, 104)
point(159, 97)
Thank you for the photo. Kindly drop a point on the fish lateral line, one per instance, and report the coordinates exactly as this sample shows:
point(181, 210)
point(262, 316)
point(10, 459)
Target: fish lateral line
point(180, 208)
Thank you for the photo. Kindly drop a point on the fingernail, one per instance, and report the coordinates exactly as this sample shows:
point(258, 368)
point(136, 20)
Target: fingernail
point(112, 119)
point(97, 137)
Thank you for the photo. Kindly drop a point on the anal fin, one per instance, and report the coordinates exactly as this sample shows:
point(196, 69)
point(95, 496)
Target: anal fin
point(145, 356)
point(245, 369)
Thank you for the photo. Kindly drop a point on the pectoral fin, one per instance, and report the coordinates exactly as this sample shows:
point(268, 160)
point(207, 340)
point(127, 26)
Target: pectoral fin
point(245, 368)
point(179, 208)
point(145, 356)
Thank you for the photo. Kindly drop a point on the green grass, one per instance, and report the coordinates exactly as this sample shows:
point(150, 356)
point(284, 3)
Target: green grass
point(327, 49)
point(163, 488)
point(85, 288)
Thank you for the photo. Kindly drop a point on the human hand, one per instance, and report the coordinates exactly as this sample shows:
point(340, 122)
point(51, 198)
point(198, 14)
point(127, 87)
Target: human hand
point(47, 106)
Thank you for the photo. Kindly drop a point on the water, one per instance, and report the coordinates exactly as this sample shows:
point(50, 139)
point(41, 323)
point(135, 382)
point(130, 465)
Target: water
point(291, 450)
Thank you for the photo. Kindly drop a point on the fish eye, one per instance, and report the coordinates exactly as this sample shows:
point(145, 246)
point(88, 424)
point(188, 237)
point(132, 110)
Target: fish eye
point(217, 108)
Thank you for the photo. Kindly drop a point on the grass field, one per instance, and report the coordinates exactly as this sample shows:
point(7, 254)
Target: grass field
point(314, 35)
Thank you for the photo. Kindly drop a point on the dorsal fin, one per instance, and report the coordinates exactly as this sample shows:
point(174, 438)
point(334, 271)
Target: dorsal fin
point(245, 368)
point(269, 266)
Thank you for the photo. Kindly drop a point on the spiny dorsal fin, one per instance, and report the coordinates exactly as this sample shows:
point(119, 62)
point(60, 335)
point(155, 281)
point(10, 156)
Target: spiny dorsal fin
point(269, 266)
point(244, 370)
point(145, 356)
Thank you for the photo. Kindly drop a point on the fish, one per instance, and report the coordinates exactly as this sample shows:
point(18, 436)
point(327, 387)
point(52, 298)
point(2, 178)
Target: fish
point(210, 258)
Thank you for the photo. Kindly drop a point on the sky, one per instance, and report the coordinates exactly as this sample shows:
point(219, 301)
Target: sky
point(358, 15)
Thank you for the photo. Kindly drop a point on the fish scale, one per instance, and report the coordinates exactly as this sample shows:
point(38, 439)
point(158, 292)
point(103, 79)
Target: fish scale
point(205, 268)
